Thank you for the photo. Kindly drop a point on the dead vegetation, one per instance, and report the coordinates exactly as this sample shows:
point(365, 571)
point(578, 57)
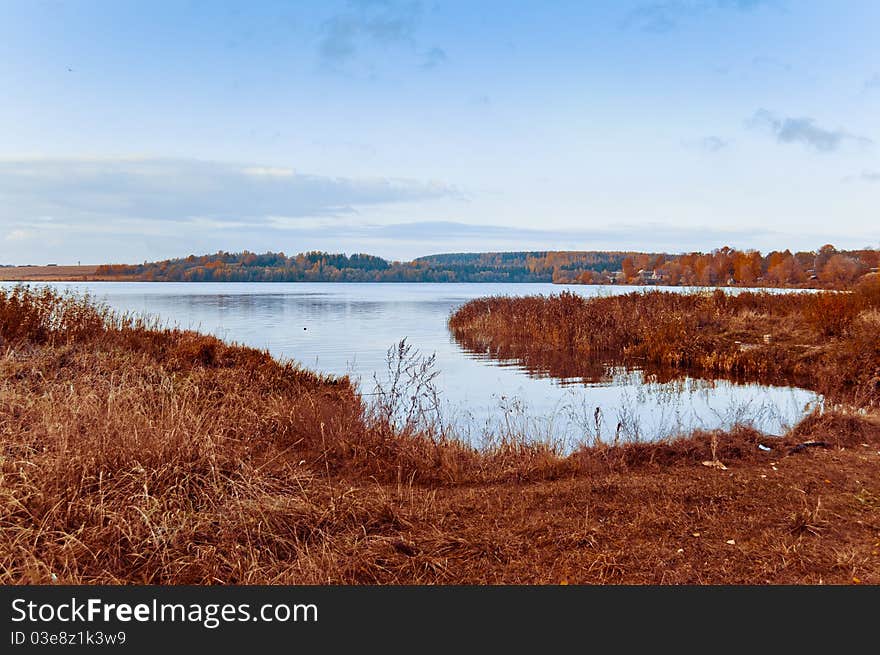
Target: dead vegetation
point(825, 341)
point(134, 454)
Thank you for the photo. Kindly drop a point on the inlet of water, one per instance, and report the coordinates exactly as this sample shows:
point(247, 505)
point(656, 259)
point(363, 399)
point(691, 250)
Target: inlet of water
point(346, 329)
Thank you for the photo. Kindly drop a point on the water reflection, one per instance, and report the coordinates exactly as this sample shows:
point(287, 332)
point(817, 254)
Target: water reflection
point(345, 328)
point(628, 406)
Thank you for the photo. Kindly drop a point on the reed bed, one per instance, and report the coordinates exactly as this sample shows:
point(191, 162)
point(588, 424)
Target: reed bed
point(826, 341)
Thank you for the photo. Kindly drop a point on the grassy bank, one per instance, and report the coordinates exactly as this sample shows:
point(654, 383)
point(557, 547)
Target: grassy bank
point(137, 454)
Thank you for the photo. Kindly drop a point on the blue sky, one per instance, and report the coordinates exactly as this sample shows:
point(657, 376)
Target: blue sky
point(134, 131)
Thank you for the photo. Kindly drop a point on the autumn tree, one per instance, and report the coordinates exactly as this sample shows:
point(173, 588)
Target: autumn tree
point(825, 253)
point(628, 267)
point(672, 272)
point(747, 267)
point(840, 270)
point(784, 271)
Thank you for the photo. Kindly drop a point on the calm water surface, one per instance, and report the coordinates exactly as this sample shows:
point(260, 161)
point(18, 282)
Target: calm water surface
point(344, 328)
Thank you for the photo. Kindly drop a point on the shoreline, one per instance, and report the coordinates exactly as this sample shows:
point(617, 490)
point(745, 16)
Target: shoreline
point(81, 277)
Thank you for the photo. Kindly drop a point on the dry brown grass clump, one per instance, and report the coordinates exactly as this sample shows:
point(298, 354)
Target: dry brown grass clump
point(131, 453)
point(825, 341)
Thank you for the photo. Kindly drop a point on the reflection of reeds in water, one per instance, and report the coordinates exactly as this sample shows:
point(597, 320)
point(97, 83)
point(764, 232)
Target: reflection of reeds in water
point(663, 412)
point(825, 341)
point(647, 408)
point(650, 413)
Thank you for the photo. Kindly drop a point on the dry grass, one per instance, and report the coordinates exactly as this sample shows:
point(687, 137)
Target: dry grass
point(132, 454)
point(825, 341)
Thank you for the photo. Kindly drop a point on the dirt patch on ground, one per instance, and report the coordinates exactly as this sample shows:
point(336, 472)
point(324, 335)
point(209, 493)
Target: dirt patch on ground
point(809, 517)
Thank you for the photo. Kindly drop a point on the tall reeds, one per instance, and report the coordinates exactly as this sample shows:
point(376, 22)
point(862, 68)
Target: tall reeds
point(827, 341)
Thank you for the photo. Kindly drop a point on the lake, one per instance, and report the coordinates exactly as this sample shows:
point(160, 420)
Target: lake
point(346, 329)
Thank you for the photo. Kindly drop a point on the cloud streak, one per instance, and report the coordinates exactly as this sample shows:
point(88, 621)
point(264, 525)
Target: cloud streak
point(660, 17)
point(434, 58)
point(622, 236)
point(182, 190)
point(710, 144)
point(120, 243)
point(871, 177)
point(408, 240)
point(370, 24)
point(99, 210)
point(805, 131)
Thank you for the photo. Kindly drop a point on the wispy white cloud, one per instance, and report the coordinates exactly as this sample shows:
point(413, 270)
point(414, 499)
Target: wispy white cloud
point(88, 191)
point(269, 171)
point(805, 131)
point(131, 209)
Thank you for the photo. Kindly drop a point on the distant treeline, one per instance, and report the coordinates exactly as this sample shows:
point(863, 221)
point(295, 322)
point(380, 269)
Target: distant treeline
point(826, 267)
point(539, 266)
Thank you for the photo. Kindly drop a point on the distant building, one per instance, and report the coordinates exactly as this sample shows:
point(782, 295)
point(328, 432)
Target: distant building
point(51, 264)
point(649, 277)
